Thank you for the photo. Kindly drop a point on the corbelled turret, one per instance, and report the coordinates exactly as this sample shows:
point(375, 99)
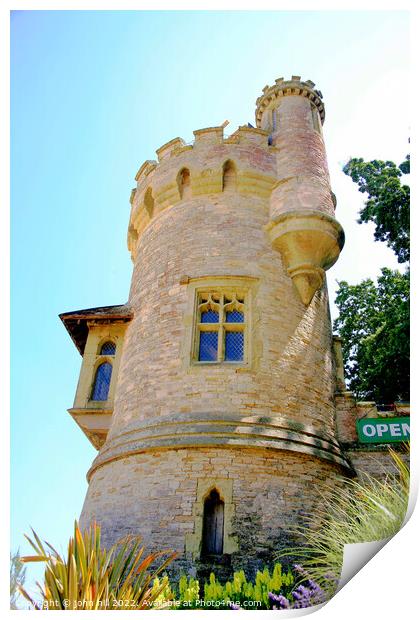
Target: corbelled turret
point(302, 226)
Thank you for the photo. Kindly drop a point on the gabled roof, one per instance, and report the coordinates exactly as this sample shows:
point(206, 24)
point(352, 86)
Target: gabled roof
point(76, 322)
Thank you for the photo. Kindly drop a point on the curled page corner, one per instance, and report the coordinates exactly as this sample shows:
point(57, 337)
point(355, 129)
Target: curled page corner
point(356, 556)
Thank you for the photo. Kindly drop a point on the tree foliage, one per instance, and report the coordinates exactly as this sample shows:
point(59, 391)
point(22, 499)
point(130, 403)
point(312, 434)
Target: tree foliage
point(374, 319)
point(388, 202)
point(374, 324)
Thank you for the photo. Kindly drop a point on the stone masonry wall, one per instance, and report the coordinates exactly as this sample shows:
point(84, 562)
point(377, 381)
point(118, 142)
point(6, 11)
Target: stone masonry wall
point(219, 235)
point(158, 490)
point(376, 462)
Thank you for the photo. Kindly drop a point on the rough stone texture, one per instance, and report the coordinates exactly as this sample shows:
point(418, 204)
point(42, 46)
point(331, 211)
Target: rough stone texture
point(214, 236)
point(376, 462)
point(346, 416)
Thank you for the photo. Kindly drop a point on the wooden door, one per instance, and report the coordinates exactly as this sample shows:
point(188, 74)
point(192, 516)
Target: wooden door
point(213, 523)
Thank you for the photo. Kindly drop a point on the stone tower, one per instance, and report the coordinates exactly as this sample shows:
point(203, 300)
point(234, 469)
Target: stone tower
point(210, 394)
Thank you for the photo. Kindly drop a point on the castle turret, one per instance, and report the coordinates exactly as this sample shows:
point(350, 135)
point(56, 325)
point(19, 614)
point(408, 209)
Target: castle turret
point(221, 421)
point(302, 225)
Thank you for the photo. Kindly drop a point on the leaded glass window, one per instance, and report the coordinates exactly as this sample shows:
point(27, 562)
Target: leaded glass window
point(108, 348)
point(221, 326)
point(234, 346)
point(208, 347)
point(102, 382)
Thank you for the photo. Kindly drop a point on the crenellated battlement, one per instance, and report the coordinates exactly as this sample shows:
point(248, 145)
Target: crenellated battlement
point(203, 163)
point(145, 169)
point(208, 136)
point(281, 163)
point(285, 88)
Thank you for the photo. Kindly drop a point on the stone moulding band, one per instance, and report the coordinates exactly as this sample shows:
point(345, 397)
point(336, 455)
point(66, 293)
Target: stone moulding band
point(228, 431)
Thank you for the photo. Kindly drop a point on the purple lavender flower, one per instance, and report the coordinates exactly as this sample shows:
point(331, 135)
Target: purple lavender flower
point(331, 577)
point(317, 594)
point(304, 595)
point(300, 592)
point(278, 601)
point(234, 606)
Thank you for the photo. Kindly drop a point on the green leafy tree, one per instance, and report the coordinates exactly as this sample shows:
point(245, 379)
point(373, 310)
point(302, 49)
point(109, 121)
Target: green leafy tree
point(388, 201)
point(374, 319)
point(374, 324)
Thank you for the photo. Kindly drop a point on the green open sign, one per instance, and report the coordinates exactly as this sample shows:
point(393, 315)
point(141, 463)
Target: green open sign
point(380, 430)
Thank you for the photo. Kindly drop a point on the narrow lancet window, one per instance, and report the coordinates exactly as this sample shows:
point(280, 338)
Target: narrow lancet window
point(102, 382)
point(229, 176)
point(149, 202)
point(274, 119)
point(213, 523)
point(315, 119)
point(184, 183)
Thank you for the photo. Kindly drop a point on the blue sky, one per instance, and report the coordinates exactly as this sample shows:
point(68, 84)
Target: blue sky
point(93, 95)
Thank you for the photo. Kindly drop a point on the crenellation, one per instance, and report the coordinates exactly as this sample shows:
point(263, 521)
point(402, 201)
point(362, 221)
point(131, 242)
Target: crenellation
point(145, 169)
point(294, 87)
point(208, 136)
point(250, 135)
point(169, 148)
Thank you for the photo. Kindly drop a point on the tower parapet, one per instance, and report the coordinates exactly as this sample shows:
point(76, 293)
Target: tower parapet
point(247, 151)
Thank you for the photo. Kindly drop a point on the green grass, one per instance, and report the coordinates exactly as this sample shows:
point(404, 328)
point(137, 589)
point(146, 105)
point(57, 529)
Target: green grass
point(358, 511)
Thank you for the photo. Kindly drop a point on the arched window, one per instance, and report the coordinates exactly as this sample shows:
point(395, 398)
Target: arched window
point(184, 183)
point(213, 521)
point(316, 119)
point(149, 202)
point(102, 381)
point(274, 119)
point(229, 175)
point(108, 348)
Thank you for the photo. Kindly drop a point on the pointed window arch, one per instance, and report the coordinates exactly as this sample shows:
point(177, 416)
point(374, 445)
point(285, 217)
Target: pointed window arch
point(213, 524)
point(229, 175)
point(184, 183)
point(102, 382)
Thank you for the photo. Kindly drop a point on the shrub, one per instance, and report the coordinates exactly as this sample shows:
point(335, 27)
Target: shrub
point(359, 511)
point(230, 595)
point(91, 577)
